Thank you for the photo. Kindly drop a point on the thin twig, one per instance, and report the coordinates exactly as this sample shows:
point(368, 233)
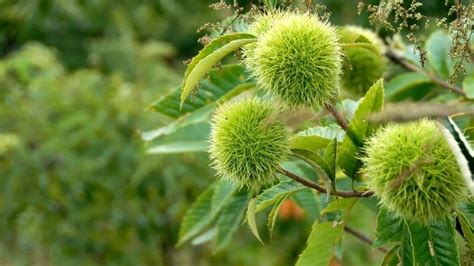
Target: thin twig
point(311, 184)
point(412, 67)
point(338, 116)
point(362, 237)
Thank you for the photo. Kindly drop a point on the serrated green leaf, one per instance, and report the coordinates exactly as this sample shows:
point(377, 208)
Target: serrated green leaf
point(251, 219)
point(180, 147)
point(389, 228)
point(408, 86)
point(321, 244)
point(339, 205)
point(200, 115)
point(391, 258)
point(221, 82)
point(273, 215)
point(306, 199)
point(328, 133)
point(406, 251)
point(330, 156)
point(271, 195)
point(437, 48)
point(434, 244)
point(466, 229)
point(208, 57)
point(359, 129)
point(230, 219)
point(223, 192)
point(198, 216)
point(204, 237)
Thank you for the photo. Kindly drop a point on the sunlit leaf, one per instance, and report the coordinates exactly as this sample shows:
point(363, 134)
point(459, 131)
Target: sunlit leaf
point(251, 219)
point(359, 129)
point(208, 57)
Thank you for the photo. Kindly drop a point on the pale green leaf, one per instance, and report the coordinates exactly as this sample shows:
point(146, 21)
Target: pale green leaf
point(271, 195)
point(230, 219)
point(199, 116)
point(198, 216)
point(251, 219)
point(223, 192)
point(330, 156)
point(437, 48)
point(409, 86)
point(339, 205)
point(180, 147)
point(273, 215)
point(222, 82)
point(321, 244)
point(328, 133)
point(204, 237)
point(209, 56)
point(359, 129)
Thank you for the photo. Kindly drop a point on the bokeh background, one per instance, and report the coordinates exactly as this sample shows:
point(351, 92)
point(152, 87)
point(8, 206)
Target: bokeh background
point(76, 186)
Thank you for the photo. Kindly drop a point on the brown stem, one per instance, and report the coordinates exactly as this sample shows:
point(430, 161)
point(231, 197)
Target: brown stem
point(338, 116)
point(412, 67)
point(362, 237)
point(310, 184)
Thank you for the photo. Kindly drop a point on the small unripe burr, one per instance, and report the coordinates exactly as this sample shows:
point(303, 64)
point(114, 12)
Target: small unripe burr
point(248, 142)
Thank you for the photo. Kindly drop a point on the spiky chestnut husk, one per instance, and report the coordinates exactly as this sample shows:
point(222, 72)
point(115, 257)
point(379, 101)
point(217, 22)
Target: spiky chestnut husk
point(298, 59)
point(361, 67)
point(262, 23)
point(248, 142)
point(412, 170)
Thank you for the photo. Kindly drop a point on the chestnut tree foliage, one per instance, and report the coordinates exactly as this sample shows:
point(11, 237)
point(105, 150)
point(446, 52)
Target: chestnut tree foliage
point(292, 108)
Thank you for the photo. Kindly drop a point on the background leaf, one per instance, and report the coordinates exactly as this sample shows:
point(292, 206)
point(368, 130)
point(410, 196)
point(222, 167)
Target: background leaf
point(198, 216)
point(230, 219)
point(409, 86)
point(321, 244)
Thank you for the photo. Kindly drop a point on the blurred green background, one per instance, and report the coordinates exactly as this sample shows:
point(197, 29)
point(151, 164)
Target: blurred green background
point(76, 187)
